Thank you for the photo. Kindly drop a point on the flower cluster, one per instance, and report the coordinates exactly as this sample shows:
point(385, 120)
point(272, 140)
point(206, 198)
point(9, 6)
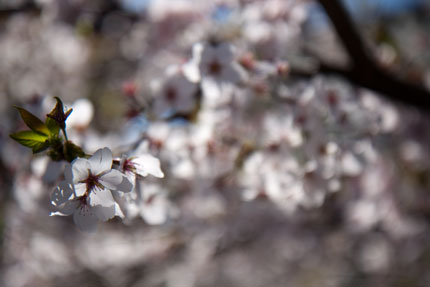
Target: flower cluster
point(91, 183)
point(88, 190)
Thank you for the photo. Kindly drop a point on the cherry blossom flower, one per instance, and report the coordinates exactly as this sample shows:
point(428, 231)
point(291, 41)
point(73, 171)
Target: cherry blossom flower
point(141, 164)
point(87, 190)
point(217, 63)
point(176, 94)
point(138, 163)
point(155, 208)
point(148, 201)
point(86, 211)
point(280, 130)
point(217, 69)
point(96, 173)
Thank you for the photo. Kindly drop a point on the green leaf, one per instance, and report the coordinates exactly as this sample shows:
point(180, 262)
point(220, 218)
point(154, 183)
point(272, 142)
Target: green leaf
point(34, 140)
point(33, 122)
point(52, 126)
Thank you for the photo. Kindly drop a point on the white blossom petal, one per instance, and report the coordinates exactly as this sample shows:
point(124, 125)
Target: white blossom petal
point(83, 111)
point(85, 219)
point(101, 197)
point(155, 213)
point(224, 53)
point(101, 161)
point(80, 168)
point(69, 207)
point(80, 189)
point(351, 166)
point(115, 180)
point(126, 204)
point(62, 199)
point(104, 213)
point(147, 164)
point(61, 193)
point(230, 73)
point(57, 213)
point(131, 176)
point(118, 211)
point(103, 204)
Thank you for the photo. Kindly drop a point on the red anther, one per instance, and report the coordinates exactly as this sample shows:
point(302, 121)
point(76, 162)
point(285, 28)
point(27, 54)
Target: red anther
point(282, 68)
point(129, 89)
point(215, 68)
point(247, 61)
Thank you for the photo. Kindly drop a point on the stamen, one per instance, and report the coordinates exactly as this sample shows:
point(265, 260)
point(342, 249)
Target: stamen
point(83, 204)
point(171, 95)
point(128, 166)
point(92, 183)
point(215, 68)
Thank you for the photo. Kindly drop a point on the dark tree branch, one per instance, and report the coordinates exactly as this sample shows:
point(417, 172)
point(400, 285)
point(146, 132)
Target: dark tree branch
point(348, 33)
point(364, 70)
point(28, 6)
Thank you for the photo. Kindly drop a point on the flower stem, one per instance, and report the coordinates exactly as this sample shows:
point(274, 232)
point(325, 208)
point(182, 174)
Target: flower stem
point(64, 133)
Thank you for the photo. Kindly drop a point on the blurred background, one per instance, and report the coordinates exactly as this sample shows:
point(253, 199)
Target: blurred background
point(362, 160)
